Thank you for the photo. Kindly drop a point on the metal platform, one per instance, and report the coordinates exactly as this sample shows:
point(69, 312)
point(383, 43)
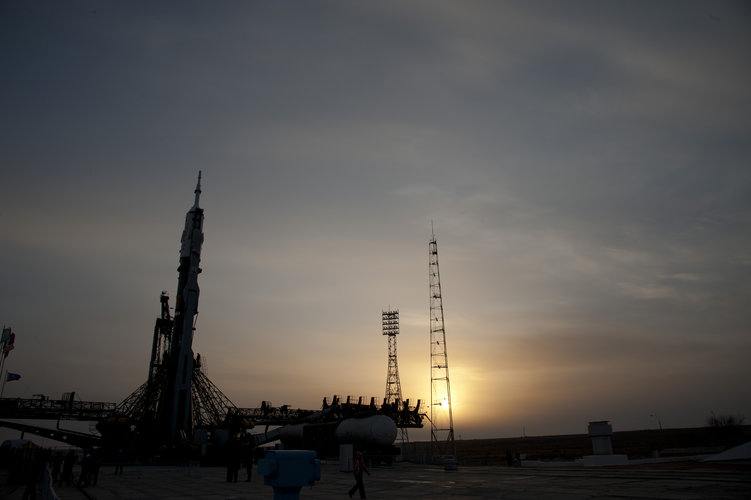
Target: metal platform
point(49, 409)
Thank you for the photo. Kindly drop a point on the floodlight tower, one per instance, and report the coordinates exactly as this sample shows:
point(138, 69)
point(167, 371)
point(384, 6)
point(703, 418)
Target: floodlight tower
point(441, 417)
point(390, 322)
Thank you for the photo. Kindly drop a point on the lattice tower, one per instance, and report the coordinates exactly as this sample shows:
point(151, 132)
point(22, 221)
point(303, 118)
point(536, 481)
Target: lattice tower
point(441, 416)
point(390, 322)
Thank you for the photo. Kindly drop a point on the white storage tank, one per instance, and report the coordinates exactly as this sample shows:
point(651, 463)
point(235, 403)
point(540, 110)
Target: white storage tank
point(377, 430)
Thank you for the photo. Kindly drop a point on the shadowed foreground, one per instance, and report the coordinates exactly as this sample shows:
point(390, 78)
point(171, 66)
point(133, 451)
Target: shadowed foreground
point(668, 481)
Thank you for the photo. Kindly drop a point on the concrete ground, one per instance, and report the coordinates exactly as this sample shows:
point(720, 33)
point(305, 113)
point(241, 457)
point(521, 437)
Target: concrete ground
point(685, 481)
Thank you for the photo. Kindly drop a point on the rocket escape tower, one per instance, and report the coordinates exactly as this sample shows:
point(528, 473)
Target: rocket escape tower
point(390, 322)
point(441, 419)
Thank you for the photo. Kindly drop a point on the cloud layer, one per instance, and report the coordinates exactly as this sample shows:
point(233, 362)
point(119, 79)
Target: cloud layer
point(585, 167)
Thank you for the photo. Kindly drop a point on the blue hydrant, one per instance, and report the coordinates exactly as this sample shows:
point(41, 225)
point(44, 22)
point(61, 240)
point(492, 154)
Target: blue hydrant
point(287, 471)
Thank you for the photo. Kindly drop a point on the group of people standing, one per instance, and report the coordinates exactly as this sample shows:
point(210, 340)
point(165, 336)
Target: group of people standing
point(41, 468)
point(62, 468)
point(239, 455)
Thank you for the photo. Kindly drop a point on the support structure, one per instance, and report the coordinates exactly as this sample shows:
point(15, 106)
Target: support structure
point(441, 416)
point(390, 323)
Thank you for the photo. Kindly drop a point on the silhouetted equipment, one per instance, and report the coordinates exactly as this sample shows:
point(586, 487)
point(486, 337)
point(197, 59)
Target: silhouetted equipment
point(365, 426)
point(178, 408)
point(441, 414)
point(171, 405)
point(177, 397)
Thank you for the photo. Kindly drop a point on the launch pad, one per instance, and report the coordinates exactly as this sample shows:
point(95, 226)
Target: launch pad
point(178, 409)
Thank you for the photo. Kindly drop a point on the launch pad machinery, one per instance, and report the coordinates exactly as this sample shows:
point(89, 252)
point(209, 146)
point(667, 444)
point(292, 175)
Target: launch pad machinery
point(178, 409)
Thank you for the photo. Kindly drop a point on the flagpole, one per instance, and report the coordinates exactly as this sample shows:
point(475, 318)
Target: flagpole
point(5, 340)
point(4, 355)
point(2, 367)
point(5, 378)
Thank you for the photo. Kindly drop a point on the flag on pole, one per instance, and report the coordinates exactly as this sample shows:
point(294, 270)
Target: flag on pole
point(9, 345)
point(10, 377)
point(6, 335)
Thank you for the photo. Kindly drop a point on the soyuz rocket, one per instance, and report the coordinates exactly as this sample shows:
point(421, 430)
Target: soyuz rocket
point(176, 418)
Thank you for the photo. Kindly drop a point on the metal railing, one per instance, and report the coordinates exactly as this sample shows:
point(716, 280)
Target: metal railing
point(54, 409)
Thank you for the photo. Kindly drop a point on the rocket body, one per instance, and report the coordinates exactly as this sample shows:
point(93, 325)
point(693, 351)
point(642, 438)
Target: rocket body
point(178, 408)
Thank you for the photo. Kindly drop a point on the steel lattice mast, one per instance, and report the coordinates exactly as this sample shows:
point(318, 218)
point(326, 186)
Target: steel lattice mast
point(441, 417)
point(390, 323)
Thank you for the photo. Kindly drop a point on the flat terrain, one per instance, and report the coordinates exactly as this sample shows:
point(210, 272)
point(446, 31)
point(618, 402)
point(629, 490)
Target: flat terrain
point(635, 444)
point(482, 473)
point(686, 481)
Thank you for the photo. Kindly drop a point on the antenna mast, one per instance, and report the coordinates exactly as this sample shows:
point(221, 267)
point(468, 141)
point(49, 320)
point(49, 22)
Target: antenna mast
point(441, 418)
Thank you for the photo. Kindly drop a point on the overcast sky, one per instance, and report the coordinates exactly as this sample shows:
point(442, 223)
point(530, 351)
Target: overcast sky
point(585, 166)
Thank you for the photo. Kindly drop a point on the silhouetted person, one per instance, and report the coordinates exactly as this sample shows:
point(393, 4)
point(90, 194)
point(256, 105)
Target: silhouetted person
point(68, 462)
point(248, 454)
point(57, 464)
point(96, 462)
point(120, 459)
point(233, 461)
point(86, 468)
point(358, 467)
point(47, 492)
point(34, 469)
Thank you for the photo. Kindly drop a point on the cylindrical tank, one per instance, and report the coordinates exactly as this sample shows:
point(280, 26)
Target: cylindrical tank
point(292, 434)
point(378, 430)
